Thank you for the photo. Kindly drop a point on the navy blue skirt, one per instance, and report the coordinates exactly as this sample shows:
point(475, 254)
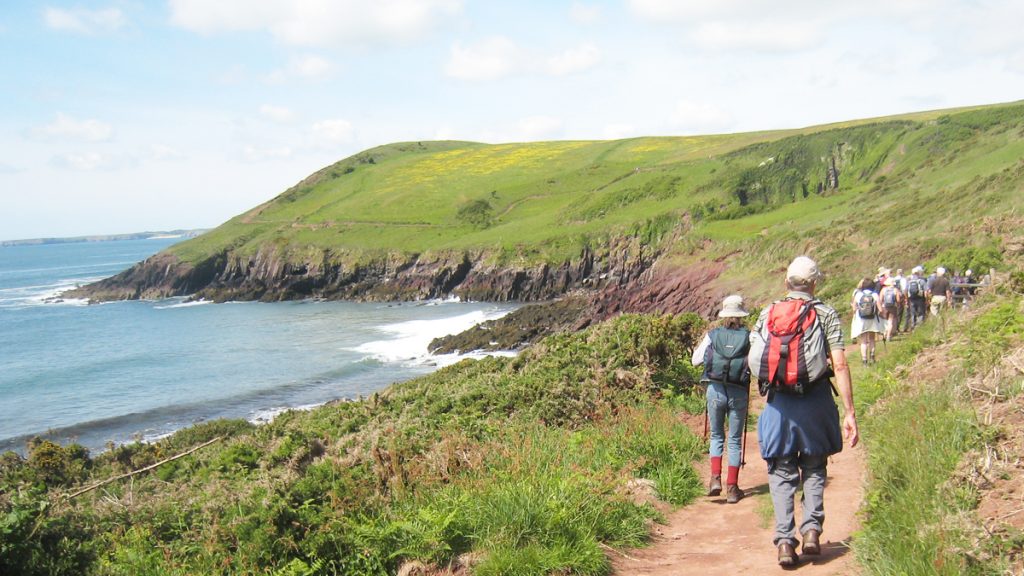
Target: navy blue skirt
point(808, 424)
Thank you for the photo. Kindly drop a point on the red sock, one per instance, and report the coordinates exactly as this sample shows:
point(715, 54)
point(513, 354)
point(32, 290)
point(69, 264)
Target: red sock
point(716, 465)
point(734, 475)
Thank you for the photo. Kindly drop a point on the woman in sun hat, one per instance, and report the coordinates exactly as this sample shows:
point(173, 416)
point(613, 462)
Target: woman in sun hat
point(723, 353)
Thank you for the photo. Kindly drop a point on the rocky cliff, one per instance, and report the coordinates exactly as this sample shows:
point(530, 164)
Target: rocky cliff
point(271, 275)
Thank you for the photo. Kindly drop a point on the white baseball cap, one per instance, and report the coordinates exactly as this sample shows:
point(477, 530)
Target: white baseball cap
point(803, 270)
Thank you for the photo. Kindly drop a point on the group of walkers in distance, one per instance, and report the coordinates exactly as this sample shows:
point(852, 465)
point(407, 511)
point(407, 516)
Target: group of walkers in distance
point(794, 350)
point(888, 304)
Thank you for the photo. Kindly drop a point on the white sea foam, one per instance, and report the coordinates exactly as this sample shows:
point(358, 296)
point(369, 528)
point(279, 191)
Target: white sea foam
point(183, 304)
point(43, 294)
point(267, 415)
point(442, 360)
point(410, 339)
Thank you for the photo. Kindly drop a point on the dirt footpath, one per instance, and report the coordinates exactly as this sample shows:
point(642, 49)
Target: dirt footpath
point(710, 537)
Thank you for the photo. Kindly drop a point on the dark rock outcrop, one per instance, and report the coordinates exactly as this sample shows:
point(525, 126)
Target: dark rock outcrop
point(272, 275)
point(660, 291)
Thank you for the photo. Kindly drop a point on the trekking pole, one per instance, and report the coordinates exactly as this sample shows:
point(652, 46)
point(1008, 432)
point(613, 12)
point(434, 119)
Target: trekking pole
point(743, 445)
point(705, 421)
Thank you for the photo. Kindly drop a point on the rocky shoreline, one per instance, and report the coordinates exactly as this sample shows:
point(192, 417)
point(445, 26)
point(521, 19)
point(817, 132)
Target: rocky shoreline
point(623, 276)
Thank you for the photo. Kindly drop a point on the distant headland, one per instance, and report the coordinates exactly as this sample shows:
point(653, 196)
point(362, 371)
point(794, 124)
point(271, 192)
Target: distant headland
point(183, 234)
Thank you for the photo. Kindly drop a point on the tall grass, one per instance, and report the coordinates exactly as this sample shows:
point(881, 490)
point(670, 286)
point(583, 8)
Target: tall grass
point(916, 437)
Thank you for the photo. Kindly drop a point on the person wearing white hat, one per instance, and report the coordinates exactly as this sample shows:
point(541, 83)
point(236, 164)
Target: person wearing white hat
point(800, 427)
point(940, 292)
point(916, 291)
point(723, 353)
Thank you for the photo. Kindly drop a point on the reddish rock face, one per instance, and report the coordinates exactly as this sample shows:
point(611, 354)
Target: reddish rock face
point(670, 291)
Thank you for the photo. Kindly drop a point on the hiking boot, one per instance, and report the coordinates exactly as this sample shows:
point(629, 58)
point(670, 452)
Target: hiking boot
point(715, 486)
point(733, 494)
point(787, 554)
point(811, 545)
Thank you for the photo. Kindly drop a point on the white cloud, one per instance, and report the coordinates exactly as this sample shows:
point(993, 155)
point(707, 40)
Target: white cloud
point(93, 161)
point(6, 168)
point(276, 113)
point(310, 66)
point(537, 128)
point(762, 36)
point(317, 22)
point(162, 152)
point(254, 154)
point(334, 131)
point(498, 57)
point(493, 58)
point(698, 117)
point(307, 66)
point(574, 60)
point(65, 126)
point(618, 131)
point(581, 13)
point(84, 21)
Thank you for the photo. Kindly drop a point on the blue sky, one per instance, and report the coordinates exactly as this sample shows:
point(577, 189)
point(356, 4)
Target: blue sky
point(131, 115)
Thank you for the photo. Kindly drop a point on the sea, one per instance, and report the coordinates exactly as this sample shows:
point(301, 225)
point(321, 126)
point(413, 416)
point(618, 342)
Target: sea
point(113, 373)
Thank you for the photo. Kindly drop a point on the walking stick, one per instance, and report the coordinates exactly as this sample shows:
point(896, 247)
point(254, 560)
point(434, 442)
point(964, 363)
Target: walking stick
point(743, 444)
point(706, 421)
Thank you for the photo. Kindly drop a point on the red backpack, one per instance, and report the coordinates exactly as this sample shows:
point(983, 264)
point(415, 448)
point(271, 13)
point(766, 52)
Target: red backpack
point(791, 352)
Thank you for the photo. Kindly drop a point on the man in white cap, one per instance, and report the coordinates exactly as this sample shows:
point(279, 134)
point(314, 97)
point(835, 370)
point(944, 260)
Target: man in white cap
point(916, 291)
point(800, 425)
point(940, 292)
point(723, 353)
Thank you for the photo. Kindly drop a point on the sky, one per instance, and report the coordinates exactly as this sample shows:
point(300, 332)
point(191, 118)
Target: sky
point(131, 115)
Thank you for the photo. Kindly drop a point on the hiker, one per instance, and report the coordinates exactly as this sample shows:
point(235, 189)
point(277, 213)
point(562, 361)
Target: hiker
point(883, 274)
point(891, 300)
point(796, 346)
point(901, 285)
point(970, 287)
point(866, 320)
point(723, 353)
point(916, 291)
point(939, 292)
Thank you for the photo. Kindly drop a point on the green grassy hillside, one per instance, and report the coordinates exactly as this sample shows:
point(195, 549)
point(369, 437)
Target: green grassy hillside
point(899, 178)
point(464, 218)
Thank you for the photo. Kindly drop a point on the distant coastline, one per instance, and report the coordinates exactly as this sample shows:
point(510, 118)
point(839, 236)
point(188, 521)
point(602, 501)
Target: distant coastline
point(183, 234)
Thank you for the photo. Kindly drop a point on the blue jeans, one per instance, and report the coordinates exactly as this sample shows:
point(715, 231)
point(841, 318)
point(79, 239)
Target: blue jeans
point(732, 400)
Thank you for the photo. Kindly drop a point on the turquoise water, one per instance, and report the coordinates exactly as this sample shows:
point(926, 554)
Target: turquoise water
point(124, 371)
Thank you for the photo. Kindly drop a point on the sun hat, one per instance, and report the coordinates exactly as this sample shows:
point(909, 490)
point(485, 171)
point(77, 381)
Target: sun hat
point(968, 273)
point(732, 307)
point(889, 282)
point(803, 271)
point(918, 269)
point(940, 271)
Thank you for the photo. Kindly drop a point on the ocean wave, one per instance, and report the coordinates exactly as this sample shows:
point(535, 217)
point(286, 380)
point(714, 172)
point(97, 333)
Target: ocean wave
point(257, 406)
point(43, 294)
point(184, 304)
point(410, 339)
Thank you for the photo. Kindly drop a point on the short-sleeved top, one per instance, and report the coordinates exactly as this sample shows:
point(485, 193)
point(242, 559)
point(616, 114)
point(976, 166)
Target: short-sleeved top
point(808, 424)
point(940, 286)
point(827, 316)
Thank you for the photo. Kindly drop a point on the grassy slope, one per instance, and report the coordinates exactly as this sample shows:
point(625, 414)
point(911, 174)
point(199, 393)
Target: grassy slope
point(546, 200)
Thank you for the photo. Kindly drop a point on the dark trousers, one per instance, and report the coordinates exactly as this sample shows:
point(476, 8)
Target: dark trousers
point(916, 312)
